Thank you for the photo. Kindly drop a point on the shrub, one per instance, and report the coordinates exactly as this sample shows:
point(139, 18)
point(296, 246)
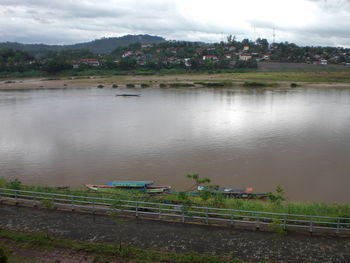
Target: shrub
point(294, 85)
point(14, 184)
point(3, 257)
point(278, 196)
point(144, 85)
point(100, 86)
point(48, 204)
point(254, 84)
point(162, 85)
point(114, 86)
point(130, 85)
point(251, 63)
point(215, 84)
point(276, 227)
point(179, 84)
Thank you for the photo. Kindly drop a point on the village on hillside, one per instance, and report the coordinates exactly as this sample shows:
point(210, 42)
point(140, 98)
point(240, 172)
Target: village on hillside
point(228, 54)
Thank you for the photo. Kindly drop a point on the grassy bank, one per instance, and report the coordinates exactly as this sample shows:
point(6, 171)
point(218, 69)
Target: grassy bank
point(334, 76)
point(105, 252)
point(317, 77)
point(275, 204)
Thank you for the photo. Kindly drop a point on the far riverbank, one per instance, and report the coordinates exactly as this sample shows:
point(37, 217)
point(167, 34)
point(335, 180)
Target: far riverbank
point(338, 79)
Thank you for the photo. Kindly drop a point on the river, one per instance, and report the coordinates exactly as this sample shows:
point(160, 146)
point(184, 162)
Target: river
point(298, 138)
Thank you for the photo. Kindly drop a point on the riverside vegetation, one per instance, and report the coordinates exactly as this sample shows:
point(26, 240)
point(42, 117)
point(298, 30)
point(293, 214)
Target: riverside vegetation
point(277, 202)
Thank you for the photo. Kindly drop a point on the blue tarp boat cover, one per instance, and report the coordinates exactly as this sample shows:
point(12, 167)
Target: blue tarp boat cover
point(130, 183)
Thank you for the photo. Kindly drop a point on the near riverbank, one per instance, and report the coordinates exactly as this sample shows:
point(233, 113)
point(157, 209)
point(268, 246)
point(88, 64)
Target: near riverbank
point(226, 245)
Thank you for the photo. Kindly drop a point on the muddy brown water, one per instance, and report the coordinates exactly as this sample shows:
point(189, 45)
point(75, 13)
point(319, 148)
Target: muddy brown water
point(297, 138)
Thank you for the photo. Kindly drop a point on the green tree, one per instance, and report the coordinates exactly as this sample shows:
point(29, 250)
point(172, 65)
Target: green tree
point(127, 63)
point(55, 65)
point(198, 181)
point(278, 196)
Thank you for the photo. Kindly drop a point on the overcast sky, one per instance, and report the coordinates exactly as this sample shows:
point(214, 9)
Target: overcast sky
point(305, 22)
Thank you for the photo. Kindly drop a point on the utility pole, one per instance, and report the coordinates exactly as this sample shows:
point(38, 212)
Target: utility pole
point(274, 35)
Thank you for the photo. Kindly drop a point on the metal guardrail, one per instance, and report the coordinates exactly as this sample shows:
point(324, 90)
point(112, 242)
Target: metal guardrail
point(183, 213)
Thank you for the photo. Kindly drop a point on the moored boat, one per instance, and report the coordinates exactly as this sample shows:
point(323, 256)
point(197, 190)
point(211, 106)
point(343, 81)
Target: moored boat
point(130, 184)
point(145, 186)
point(245, 193)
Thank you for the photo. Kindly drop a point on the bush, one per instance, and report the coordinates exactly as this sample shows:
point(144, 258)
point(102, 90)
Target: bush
point(278, 196)
point(162, 85)
point(3, 257)
point(215, 84)
point(100, 86)
point(114, 86)
point(48, 204)
point(130, 85)
point(276, 227)
point(251, 63)
point(254, 84)
point(14, 184)
point(144, 85)
point(178, 84)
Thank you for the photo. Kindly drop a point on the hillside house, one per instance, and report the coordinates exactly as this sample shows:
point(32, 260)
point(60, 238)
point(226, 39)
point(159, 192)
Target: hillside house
point(245, 57)
point(127, 54)
point(92, 62)
point(231, 48)
point(174, 60)
point(187, 62)
point(210, 57)
point(146, 45)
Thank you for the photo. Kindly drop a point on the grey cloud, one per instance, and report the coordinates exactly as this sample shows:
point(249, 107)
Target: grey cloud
point(68, 21)
point(333, 6)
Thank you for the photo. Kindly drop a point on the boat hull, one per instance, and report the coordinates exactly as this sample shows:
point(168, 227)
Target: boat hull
point(148, 189)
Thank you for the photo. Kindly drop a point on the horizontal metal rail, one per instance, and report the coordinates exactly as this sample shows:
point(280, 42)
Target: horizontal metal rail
point(185, 213)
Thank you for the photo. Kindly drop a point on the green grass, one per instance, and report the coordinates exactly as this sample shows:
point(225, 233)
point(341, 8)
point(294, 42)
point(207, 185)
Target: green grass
point(110, 250)
point(317, 77)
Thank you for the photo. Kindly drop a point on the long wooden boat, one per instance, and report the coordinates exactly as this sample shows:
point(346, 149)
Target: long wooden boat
point(130, 184)
point(147, 189)
point(244, 193)
point(225, 189)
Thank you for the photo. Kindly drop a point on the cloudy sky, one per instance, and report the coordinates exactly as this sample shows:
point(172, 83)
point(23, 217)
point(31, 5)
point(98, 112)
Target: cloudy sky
point(305, 22)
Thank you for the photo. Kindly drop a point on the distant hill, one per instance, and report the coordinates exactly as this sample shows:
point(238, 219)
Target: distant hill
point(98, 46)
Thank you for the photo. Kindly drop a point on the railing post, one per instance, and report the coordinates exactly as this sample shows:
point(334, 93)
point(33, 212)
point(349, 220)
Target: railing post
point(285, 222)
point(183, 213)
point(257, 222)
point(311, 225)
point(338, 226)
point(35, 202)
point(159, 211)
point(207, 216)
point(16, 197)
point(232, 220)
point(137, 210)
point(72, 202)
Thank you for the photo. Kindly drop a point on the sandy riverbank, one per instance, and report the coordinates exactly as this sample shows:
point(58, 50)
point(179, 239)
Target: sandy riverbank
point(152, 81)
